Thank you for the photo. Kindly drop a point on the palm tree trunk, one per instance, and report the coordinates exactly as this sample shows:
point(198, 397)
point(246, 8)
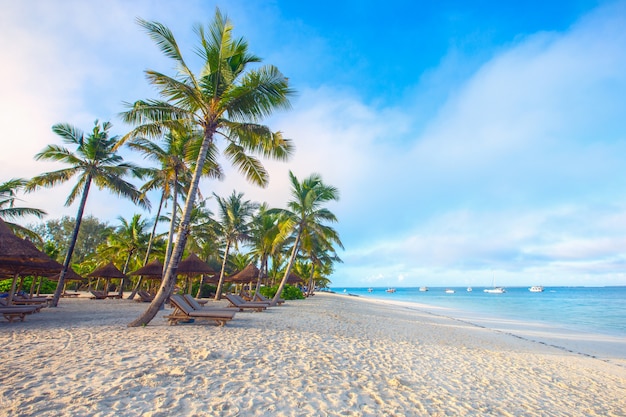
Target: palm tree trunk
point(309, 291)
point(220, 284)
point(147, 257)
point(292, 259)
point(70, 250)
point(120, 292)
point(169, 279)
point(170, 238)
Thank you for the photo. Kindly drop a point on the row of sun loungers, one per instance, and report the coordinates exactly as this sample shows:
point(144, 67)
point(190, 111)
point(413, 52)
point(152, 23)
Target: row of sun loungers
point(184, 312)
point(21, 307)
point(188, 309)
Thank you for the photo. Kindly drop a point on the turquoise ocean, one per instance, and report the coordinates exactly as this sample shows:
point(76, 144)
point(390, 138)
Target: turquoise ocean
point(597, 310)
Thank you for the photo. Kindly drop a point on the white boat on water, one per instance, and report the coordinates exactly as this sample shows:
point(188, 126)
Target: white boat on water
point(469, 289)
point(370, 289)
point(391, 290)
point(536, 288)
point(423, 289)
point(449, 291)
point(494, 289)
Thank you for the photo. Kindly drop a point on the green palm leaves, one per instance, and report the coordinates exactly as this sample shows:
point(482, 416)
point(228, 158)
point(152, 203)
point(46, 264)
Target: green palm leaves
point(226, 100)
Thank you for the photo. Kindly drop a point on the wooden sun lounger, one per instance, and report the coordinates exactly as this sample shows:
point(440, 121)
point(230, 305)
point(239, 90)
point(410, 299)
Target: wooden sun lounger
point(199, 307)
point(13, 312)
point(40, 301)
point(259, 297)
point(183, 312)
point(241, 304)
point(144, 296)
point(98, 295)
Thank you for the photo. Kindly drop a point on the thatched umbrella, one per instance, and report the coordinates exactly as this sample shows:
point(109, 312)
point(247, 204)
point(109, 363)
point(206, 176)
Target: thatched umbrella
point(108, 272)
point(53, 275)
point(248, 274)
point(21, 257)
point(152, 270)
point(192, 266)
point(294, 279)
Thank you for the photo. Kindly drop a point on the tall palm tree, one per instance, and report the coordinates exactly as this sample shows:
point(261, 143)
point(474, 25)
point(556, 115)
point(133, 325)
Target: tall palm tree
point(126, 243)
point(94, 161)
point(305, 217)
point(8, 195)
point(264, 231)
point(235, 214)
point(225, 100)
point(176, 159)
point(321, 256)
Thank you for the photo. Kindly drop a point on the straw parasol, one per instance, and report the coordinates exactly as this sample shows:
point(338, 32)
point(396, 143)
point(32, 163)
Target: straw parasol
point(192, 266)
point(21, 257)
point(108, 272)
point(152, 270)
point(248, 274)
point(294, 279)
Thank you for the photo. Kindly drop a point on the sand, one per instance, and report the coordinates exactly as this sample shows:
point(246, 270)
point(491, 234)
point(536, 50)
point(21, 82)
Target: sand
point(329, 355)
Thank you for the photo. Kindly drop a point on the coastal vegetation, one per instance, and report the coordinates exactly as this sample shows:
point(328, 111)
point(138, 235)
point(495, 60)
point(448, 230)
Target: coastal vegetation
point(199, 119)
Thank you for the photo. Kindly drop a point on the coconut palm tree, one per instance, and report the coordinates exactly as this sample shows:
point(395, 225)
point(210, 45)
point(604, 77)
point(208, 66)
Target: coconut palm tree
point(94, 161)
point(321, 256)
point(264, 231)
point(176, 159)
point(305, 217)
point(235, 214)
point(127, 242)
point(226, 100)
point(8, 195)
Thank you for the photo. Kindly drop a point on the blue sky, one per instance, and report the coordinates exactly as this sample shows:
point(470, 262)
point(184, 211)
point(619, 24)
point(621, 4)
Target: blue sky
point(467, 140)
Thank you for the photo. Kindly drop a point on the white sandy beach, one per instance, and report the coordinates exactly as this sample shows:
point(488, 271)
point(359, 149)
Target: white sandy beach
point(330, 355)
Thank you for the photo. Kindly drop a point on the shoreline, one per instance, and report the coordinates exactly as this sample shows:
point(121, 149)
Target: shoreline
point(329, 355)
point(601, 346)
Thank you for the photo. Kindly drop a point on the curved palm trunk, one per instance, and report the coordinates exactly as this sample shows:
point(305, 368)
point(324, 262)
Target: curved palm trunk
point(169, 278)
point(309, 291)
point(147, 257)
point(170, 238)
point(292, 258)
point(70, 250)
point(262, 274)
point(220, 284)
point(120, 292)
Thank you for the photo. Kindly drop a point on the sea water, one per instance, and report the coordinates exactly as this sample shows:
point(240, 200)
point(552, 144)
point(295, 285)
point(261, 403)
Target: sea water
point(600, 310)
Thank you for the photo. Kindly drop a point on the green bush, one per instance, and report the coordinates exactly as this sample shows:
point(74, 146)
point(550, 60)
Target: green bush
point(289, 292)
point(47, 286)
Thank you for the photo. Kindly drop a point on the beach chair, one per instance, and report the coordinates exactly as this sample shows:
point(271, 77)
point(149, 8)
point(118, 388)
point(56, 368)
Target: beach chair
point(260, 297)
point(13, 312)
point(144, 296)
point(35, 306)
point(38, 301)
point(98, 295)
point(196, 305)
point(238, 302)
point(183, 312)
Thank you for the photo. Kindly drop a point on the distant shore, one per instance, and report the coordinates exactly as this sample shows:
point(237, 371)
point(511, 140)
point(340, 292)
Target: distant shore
point(331, 355)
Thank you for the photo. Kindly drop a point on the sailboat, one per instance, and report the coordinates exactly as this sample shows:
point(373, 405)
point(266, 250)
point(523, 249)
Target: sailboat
point(494, 290)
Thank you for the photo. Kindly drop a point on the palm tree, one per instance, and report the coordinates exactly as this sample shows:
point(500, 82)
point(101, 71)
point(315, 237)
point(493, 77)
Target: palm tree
point(264, 230)
point(235, 215)
point(305, 217)
point(94, 161)
point(128, 241)
point(176, 160)
point(226, 99)
point(8, 195)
